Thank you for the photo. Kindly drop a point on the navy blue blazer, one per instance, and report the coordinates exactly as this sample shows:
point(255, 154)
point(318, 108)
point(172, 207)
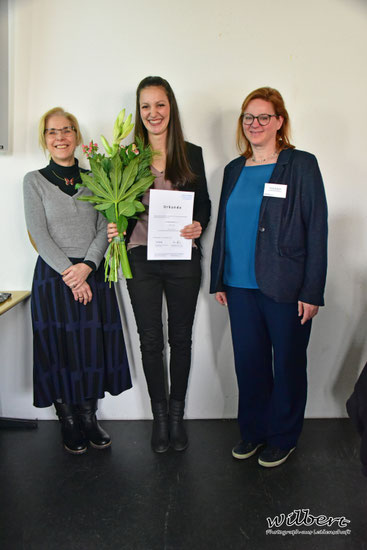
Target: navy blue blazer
point(291, 244)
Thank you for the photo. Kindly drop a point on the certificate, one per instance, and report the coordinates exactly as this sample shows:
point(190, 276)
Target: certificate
point(169, 212)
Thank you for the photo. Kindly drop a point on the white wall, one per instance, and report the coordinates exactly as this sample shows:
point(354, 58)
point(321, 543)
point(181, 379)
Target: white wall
point(88, 56)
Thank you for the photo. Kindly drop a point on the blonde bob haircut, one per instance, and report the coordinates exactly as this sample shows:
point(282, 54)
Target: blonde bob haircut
point(43, 124)
point(283, 134)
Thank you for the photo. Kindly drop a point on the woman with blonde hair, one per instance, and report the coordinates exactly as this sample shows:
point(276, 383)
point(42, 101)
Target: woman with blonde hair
point(269, 266)
point(78, 344)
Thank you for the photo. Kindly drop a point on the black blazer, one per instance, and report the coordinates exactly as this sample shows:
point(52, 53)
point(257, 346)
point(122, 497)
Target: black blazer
point(291, 244)
point(202, 205)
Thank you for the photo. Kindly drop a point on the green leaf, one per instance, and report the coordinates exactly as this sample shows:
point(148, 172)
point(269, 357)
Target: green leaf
point(116, 170)
point(101, 177)
point(103, 206)
point(91, 198)
point(122, 223)
point(106, 164)
point(126, 208)
point(140, 186)
point(110, 214)
point(128, 177)
point(95, 187)
point(139, 206)
point(130, 199)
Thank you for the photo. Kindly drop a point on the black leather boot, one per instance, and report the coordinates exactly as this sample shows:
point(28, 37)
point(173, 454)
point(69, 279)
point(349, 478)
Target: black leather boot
point(160, 440)
point(177, 434)
point(96, 435)
point(73, 438)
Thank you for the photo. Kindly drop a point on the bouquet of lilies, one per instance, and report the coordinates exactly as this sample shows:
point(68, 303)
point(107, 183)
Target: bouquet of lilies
point(116, 181)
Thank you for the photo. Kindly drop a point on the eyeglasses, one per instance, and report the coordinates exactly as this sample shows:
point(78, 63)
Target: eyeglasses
point(263, 119)
point(66, 131)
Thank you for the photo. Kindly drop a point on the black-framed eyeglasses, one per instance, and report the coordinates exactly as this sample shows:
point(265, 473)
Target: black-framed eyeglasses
point(262, 119)
point(67, 130)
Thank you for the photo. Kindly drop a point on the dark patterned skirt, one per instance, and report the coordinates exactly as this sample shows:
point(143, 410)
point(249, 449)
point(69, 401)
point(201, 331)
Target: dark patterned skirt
point(78, 351)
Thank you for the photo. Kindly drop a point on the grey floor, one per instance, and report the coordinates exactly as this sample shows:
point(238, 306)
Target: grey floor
point(127, 497)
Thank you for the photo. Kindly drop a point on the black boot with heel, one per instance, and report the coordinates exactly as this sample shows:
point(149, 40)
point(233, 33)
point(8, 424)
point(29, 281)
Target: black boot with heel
point(177, 433)
point(93, 432)
point(73, 438)
point(160, 440)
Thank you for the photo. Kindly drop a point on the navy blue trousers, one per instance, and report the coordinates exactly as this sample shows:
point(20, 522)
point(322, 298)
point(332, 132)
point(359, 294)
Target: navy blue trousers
point(270, 346)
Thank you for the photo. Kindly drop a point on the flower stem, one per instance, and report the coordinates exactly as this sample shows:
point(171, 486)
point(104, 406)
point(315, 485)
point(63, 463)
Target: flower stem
point(116, 256)
point(125, 266)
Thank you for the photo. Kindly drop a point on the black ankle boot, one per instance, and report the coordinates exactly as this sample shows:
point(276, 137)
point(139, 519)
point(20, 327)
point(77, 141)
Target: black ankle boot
point(160, 441)
point(177, 434)
point(73, 438)
point(96, 435)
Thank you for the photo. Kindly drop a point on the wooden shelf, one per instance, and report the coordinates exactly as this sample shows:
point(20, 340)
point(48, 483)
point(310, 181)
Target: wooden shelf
point(17, 296)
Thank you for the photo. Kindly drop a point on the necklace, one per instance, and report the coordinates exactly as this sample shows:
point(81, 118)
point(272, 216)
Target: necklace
point(275, 154)
point(68, 181)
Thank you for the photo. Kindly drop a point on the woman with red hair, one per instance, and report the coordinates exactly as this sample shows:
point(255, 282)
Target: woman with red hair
point(269, 266)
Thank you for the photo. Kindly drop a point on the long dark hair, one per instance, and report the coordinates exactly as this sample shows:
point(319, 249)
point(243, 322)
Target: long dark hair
point(177, 166)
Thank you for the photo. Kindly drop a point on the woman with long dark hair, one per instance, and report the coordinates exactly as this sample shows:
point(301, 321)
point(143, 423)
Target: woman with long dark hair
point(177, 165)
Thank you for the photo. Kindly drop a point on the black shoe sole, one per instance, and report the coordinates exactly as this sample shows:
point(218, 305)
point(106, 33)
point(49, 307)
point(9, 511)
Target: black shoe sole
point(100, 447)
point(75, 452)
point(179, 449)
point(160, 451)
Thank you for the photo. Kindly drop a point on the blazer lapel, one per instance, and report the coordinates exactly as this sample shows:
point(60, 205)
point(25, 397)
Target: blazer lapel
point(233, 177)
point(276, 176)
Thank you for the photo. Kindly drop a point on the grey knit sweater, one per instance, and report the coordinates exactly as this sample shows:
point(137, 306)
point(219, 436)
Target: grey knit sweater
point(61, 226)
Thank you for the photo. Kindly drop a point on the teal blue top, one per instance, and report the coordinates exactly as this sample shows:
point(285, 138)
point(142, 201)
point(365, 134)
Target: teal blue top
point(242, 218)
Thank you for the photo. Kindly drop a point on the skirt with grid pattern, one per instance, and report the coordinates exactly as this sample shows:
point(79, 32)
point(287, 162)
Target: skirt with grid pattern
point(78, 350)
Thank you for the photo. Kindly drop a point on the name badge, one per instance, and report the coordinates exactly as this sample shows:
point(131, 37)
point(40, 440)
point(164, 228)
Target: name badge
point(278, 190)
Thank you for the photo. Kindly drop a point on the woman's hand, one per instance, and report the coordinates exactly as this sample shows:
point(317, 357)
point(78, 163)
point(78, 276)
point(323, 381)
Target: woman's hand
point(75, 275)
point(83, 294)
point(306, 311)
point(111, 231)
point(221, 297)
point(192, 231)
